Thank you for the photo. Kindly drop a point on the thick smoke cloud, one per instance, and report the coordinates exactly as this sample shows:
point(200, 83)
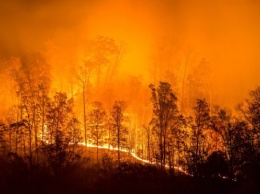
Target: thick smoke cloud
point(226, 33)
point(27, 25)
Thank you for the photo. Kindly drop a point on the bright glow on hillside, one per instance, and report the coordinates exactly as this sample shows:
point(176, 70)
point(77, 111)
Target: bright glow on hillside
point(178, 168)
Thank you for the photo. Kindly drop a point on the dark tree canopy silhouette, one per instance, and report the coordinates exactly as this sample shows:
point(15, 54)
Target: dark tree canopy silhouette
point(164, 110)
point(119, 133)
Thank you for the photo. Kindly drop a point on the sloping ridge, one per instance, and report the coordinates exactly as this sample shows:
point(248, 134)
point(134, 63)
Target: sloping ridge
point(133, 154)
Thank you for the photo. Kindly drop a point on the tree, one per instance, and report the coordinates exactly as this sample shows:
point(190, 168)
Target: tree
point(20, 130)
point(201, 123)
point(97, 118)
point(222, 123)
point(63, 135)
point(3, 143)
point(243, 149)
point(33, 79)
point(148, 131)
point(119, 132)
point(99, 53)
point(251, 113)
point(253, 110)
point(180, 138)
point(199, 83)
point(238, 142)
point(83, 75)
point(164, 112)
point(216, 165)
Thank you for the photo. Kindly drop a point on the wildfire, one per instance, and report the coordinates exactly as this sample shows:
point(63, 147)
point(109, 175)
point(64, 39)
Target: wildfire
point(133, 154)
point(84, 76)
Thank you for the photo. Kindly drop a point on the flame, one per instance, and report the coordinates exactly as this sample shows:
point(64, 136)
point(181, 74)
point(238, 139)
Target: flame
point(154, 40)
point(133, 154)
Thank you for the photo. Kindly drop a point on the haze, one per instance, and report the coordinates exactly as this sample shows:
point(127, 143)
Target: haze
point(225, 33)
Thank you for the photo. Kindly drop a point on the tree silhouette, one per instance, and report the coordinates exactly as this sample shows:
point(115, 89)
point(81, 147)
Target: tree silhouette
point(63, 135)
point(97, 123)
point(3, 143)
point(119, 132)
point(201, 122)
point(164, 111)
point(83, 73)
point(251, 113)
point(33, 80)
point(216, 165)
point(222, 123)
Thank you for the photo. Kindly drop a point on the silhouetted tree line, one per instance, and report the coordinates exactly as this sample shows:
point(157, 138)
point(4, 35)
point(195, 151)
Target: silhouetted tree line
point(42, 134)
point(208, 143)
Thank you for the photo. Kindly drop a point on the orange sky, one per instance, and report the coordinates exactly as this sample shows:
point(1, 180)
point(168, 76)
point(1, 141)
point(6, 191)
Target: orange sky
point(225, 32)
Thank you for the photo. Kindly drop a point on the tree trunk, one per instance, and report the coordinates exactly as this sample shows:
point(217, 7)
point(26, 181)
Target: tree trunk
point(35, 134)
point(84, 115)
point(118, 144)
point(97, 141)
point(43, 119)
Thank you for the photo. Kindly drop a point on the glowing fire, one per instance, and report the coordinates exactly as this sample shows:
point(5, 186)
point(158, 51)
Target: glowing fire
point(133, 154)
point(106, 52)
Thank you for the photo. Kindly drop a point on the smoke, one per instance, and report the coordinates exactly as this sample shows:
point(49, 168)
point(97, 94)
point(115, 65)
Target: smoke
point(27, 25)
point(226, 33)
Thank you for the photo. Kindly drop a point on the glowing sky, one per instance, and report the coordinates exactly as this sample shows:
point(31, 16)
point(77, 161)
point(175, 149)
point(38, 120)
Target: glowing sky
point(225, 32)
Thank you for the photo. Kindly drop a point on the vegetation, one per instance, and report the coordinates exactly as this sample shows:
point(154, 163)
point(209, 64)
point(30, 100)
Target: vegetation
point(46, 138)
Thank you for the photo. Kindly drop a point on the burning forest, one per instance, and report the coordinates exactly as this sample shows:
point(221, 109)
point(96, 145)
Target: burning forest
point(129, 97)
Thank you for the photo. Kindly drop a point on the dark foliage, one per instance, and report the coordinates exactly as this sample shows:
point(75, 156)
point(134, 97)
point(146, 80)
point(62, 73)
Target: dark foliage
point(127, 178)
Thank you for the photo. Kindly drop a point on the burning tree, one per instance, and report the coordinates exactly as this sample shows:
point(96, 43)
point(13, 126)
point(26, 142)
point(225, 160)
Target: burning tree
point(63, 134)
point(164, 110)
point(201, 123)
point(99, 53)
point(97, 119)
point(119, 131)
point(32, 76)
